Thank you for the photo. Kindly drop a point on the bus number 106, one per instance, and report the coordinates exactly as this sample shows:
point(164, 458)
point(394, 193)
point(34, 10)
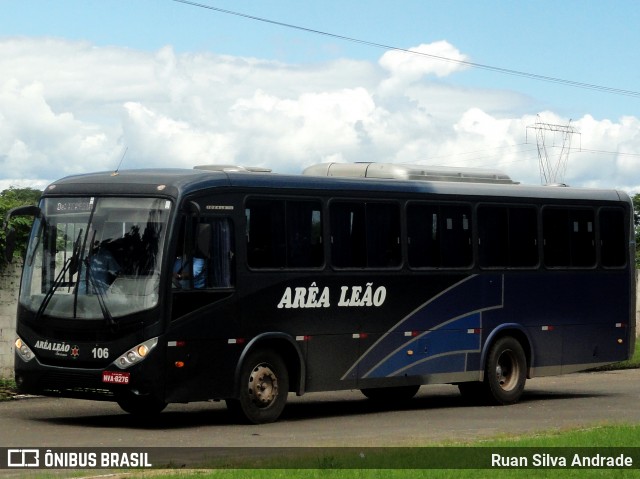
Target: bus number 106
point(100, 353)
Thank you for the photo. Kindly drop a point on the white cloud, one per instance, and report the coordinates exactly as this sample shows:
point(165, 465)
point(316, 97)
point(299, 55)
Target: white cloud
point(157, 140)
point(36, 142)
point(71, 107)
point(302, 130)
point(439, 58)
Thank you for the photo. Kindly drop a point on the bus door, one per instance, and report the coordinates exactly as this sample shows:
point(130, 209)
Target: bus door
point(203, 314)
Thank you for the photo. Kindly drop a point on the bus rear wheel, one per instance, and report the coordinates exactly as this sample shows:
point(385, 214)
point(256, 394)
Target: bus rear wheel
point(506, 371)
point(264, 386)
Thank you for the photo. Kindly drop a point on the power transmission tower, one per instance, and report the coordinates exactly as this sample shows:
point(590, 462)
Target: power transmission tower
point(550, 137)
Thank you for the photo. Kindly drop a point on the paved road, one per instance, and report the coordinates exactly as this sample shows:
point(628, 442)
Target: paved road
point(330, 419)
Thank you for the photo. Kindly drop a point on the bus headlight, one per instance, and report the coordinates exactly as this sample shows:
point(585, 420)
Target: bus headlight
point(136, 354)
point(23, 350)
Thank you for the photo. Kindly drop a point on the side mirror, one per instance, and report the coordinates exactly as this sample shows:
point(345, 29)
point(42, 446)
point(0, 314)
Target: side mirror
point(10, 245)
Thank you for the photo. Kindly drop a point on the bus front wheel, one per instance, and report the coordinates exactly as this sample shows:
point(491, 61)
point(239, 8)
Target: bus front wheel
point(506, 371)
point(264, 386)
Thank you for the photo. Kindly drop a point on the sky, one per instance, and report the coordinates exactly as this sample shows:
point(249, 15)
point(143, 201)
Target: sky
point(93, 85)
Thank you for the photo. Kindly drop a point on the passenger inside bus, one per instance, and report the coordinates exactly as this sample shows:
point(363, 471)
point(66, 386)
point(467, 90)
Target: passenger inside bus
point(194, 266)
point(184, 268)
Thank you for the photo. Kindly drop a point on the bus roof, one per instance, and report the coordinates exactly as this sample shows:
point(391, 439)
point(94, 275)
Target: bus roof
point(180, 182)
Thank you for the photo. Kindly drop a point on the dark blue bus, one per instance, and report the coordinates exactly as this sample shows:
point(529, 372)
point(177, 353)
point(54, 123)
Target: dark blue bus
point(152, 287)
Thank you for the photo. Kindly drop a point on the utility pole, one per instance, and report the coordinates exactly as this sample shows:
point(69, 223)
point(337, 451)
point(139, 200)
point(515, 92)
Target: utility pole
point(549, 136)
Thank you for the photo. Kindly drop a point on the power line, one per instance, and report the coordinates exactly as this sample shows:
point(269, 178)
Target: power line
point(505, 71)
point(553, 170)
point(523, 155)
point(473, 152)
point(620, 153)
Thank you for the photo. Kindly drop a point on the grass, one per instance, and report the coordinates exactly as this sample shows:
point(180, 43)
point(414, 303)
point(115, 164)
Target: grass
point(7, 389)
point(410, 463)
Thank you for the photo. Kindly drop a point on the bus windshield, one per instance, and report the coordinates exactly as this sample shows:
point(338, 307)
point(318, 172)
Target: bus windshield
point(94, 258)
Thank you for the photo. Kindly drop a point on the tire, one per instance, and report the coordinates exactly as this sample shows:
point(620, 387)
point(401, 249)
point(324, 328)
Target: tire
point(506, 371)
point(389, 395)
point(141, 406)
point(264, 386)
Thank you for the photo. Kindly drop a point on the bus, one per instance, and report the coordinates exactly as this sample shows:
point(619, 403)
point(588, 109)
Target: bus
point(158, 286)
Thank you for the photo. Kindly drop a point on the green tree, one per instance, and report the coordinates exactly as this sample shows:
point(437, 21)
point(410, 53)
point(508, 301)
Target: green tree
point(11, 198)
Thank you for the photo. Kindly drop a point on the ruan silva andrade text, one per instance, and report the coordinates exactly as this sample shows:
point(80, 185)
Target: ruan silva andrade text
point(549, 460)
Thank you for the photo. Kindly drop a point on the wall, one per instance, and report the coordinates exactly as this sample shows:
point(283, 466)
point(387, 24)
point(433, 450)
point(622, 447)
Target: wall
point(9, 283)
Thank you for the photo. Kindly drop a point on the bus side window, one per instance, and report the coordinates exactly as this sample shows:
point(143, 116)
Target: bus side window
point(523, 237)
point(284, 233)
point(439, 236)
point(423, 236)
point(455, 240)
point(383, 235)
point(569, 237)
point(612, 237)
point(348, 236)
point(205, 260)
point(304, 234)
point(365, 234)
point(266, 242)
point(507, 236)
point(493, 236)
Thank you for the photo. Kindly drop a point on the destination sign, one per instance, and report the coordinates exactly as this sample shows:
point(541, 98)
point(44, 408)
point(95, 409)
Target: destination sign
point(70, 205)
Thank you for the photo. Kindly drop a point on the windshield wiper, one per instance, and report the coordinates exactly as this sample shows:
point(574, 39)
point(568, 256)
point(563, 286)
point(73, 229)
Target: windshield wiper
point(71, 266)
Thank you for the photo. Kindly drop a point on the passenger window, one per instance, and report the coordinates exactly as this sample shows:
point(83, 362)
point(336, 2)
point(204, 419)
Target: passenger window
point(348, 243)
point(284, 233)
point(383, 235)
point(365, 234)
point(569, 237)
point(304, 234)
point(439, 236)
point(265, 233)
point(613, 245)
point(507, 236)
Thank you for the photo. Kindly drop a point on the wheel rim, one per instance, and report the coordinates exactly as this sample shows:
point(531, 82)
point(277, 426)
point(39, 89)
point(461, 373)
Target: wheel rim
point(263, 386)
point(507, 370)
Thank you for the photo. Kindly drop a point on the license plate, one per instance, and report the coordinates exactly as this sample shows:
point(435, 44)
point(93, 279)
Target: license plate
point(115, 377)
